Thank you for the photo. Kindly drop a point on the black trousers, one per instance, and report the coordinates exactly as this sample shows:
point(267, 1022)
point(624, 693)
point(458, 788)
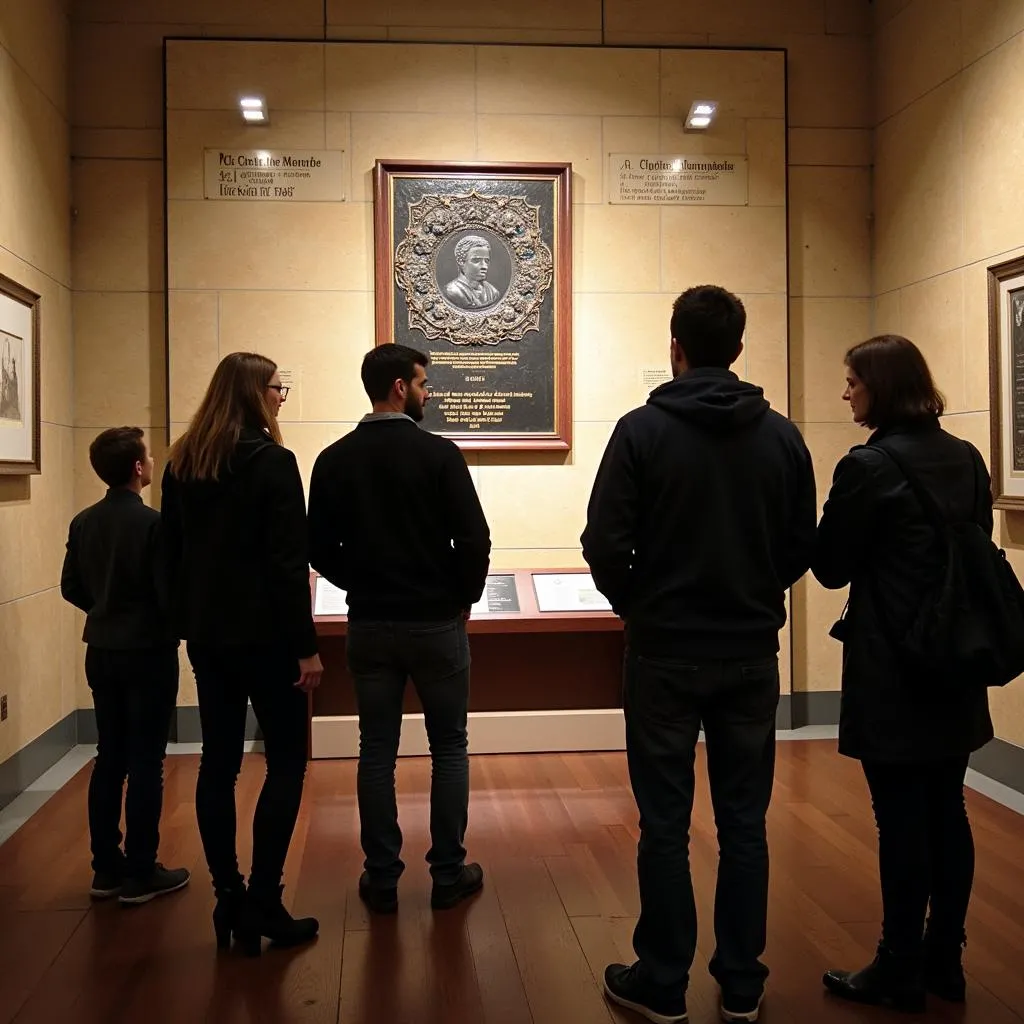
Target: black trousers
point(925, 852)
point(134, 694)
point(382, 657)
point(227, 678)
point(666, 703)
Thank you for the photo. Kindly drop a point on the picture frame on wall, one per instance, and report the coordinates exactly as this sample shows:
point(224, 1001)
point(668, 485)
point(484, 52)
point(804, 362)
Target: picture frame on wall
point(473, 266)
point(20, 424)
point(1006, 381)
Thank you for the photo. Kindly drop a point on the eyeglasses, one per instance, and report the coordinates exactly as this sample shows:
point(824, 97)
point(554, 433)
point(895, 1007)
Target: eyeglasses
point(281, 389)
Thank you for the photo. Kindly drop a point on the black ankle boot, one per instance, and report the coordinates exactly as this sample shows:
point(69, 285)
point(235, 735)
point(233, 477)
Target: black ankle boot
point(895, 982)
point(265, 916)
point(944, 969)
point(227, 914)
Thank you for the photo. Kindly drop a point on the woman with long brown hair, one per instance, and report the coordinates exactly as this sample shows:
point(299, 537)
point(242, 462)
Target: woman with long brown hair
point(235, 537)
point(912, 736)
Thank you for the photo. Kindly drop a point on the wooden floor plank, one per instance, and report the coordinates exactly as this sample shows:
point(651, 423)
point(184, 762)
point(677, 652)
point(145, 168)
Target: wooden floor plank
point(557, 837)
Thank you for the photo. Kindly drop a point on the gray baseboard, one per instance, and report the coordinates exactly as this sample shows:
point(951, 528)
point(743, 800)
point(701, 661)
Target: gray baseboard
point(1001, 761)
point(814, 707)
point(20, 770)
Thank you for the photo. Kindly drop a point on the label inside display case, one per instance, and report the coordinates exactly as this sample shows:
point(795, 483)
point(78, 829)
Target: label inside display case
point(568, 592)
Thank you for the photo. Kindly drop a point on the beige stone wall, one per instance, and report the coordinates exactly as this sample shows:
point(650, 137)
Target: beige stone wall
point(38, 631)
point(117, 144)
point(949, 76)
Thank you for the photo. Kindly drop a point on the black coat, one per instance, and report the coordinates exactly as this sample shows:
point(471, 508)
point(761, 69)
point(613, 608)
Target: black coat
point(237, 552)
point(874, 536)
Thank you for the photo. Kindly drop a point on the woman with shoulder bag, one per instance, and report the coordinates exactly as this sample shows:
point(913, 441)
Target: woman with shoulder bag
point(234, 522)
point(912, 736)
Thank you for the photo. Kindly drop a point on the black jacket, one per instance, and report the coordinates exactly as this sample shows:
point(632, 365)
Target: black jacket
point(237, 552)
point(874, 535)
point(701, 517)
point(394, 520)
point(112, 572)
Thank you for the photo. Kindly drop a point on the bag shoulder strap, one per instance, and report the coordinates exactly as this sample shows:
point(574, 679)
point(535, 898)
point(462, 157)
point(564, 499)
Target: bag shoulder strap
point(932, 512)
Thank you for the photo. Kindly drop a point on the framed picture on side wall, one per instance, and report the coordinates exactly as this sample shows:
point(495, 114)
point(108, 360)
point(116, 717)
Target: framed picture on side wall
point(474, 267)
point(19, 380)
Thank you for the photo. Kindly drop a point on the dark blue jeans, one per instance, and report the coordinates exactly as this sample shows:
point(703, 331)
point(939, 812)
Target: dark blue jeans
point(666, 703)
point(435, 655)
point(134, 693)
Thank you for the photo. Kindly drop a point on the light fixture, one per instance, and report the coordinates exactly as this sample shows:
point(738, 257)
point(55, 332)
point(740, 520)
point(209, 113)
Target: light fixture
point(700, 116)
point(254, 110)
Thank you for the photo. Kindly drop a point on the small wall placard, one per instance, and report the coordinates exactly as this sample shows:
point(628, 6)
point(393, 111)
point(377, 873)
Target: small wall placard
point(675, 180)
point(274, 175)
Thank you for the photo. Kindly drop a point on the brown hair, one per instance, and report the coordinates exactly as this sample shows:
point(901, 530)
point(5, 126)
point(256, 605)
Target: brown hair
point(897, 379)
point(114, 453)
point(236, 398)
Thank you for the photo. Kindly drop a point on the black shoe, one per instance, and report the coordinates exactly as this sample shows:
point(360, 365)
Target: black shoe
point(159, 882)
point(227, 914)
point(380, 901)
point(622, 986)
point(264, 915)
point(106, 884)
point(442, 897)
point(895, 982)
point(944, 970)
point(740, 1008)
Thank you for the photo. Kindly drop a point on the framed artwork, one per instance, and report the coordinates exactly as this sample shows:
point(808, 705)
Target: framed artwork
point(1006, 381)
point(19, 379)
point(474, 267)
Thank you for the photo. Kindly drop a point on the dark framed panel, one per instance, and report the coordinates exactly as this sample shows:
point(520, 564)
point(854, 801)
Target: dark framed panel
point(1006, 381)
point(20, 391)
point(474, 266)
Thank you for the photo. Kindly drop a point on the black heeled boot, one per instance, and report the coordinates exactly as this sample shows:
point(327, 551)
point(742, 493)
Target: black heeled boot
point(227, 914)
point(893, 981)
point(265, 916)
point(944, 969)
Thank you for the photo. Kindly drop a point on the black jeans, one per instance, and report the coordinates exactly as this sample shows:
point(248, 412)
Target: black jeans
point(227, 678)
point(134, 693)
point(666, 702)
point(925, 851)
point(381, 657)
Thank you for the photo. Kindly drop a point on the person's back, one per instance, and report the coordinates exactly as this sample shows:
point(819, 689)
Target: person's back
point(394, 520)
point(406, 540)
point(112, 572)
point(701, 516)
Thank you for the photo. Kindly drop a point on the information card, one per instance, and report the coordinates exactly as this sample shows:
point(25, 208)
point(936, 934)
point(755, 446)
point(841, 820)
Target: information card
point(704, 180)
point(500, 595)
point(329, 599)
point(274, 175)
point(568, 592)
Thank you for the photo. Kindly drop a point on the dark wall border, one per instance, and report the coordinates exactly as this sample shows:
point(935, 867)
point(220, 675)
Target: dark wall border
point(1002, 762)
point(20, 770)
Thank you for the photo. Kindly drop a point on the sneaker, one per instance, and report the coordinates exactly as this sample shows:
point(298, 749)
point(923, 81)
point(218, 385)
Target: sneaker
point(159, 883)
point(622, 986)
point(106, 884)
point(443, 897)
point(741, 1008)
point(380, 901)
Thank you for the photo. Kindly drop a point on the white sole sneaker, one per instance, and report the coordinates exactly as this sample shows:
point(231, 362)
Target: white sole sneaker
point(749, 1016)
point(151, 894)
point(645, 1011)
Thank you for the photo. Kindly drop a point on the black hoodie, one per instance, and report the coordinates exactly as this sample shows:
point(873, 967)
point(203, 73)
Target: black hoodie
point(238, 554)
point(702, 516)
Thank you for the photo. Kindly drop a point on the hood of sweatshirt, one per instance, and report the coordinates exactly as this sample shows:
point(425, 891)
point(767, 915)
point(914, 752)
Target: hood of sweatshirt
point(711, 398)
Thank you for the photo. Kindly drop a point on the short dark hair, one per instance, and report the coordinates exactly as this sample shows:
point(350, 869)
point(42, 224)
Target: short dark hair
point(385, 364)
point(113, 454)
point(708, 323)
point(899, 384)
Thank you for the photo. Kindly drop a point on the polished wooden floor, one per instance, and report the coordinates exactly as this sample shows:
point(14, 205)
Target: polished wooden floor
point(557, 838)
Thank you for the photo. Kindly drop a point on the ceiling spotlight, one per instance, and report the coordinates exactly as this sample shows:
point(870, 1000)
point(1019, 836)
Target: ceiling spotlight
point(700, 116)
point(254, 110)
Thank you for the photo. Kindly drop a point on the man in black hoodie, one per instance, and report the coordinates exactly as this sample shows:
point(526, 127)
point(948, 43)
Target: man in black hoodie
point(702, 516)
point(394, 520)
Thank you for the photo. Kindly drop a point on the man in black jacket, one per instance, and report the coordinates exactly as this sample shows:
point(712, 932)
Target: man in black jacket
point(111, 571)
point(701, 517)
point(394, 520)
